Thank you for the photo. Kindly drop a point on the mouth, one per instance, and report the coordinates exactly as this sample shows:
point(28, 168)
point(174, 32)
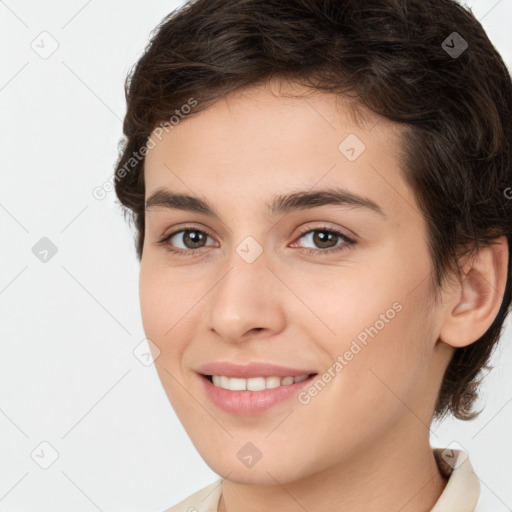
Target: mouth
point(254, 395)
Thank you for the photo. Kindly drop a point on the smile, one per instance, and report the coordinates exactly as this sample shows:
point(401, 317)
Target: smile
point(254, 395)
point(254, 383)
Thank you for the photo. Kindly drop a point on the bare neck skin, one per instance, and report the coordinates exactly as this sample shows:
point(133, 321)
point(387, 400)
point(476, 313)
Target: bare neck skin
point(397, 474)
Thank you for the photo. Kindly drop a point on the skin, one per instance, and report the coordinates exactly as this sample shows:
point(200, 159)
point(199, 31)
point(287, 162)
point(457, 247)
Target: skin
point(363, 442)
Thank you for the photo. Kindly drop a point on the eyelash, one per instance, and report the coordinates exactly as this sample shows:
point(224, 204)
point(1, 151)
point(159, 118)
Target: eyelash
point(314, 252)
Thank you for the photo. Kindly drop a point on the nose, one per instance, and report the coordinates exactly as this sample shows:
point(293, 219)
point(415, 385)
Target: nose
point(247, 299)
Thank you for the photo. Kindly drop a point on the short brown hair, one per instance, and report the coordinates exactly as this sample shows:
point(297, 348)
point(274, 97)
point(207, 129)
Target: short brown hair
point(392, 55)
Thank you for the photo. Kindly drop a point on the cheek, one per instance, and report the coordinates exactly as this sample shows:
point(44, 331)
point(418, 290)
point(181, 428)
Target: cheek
point(373, 391)
point(159, 310)
point(380, 335)
point(164, 296)
point(168, 304)
point(383, 369)
point(151, 304)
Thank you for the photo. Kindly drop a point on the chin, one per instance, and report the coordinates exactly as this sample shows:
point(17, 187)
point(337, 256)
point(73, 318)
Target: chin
point(263, 472)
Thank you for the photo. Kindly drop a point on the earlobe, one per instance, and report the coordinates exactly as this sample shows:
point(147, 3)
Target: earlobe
point(478, 297)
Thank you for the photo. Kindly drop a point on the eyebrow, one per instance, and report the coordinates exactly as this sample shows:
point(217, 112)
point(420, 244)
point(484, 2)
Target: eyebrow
point(279, 205)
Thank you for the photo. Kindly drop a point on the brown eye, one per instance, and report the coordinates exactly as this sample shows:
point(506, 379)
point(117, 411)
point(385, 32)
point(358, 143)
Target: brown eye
point(192, 239)
point(326, 240)
point(185, 240)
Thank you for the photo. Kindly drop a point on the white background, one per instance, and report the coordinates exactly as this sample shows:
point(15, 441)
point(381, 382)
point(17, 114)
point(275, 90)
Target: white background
point(68, 327)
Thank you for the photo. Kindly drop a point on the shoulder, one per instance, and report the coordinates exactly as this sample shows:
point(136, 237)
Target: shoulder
point(204, 500)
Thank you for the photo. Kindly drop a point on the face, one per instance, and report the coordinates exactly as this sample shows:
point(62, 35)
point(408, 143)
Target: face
point(301, 246)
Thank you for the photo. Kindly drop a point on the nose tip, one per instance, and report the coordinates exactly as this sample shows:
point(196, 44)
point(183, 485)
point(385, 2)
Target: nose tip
point(246, 302)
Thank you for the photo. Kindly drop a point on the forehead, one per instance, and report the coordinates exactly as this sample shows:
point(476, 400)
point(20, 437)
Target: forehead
point(265, 139)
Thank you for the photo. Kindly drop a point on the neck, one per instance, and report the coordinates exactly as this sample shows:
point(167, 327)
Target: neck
point(398, 473)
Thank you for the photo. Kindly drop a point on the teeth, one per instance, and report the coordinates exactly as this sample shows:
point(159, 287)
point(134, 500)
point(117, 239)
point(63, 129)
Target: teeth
point(272, 382)
point(254, 383)
point(237, 384)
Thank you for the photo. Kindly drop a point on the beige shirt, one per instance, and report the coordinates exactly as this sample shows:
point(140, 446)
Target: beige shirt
point(460, 494)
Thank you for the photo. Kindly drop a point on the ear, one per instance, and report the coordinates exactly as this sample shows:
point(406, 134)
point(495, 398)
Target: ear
point(476, 300)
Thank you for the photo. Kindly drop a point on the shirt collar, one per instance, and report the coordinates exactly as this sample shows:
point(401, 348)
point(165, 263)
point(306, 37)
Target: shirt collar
point(463, 487)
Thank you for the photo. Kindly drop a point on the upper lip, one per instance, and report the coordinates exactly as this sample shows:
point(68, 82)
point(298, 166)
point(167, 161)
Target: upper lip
point(253, 369)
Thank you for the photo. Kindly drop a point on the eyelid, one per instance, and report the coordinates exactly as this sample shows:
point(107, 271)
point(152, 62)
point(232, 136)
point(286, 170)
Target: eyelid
point(184, 227)
point(350, 236)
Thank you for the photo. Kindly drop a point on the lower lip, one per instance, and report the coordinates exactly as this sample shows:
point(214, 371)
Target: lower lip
point(250, 403)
